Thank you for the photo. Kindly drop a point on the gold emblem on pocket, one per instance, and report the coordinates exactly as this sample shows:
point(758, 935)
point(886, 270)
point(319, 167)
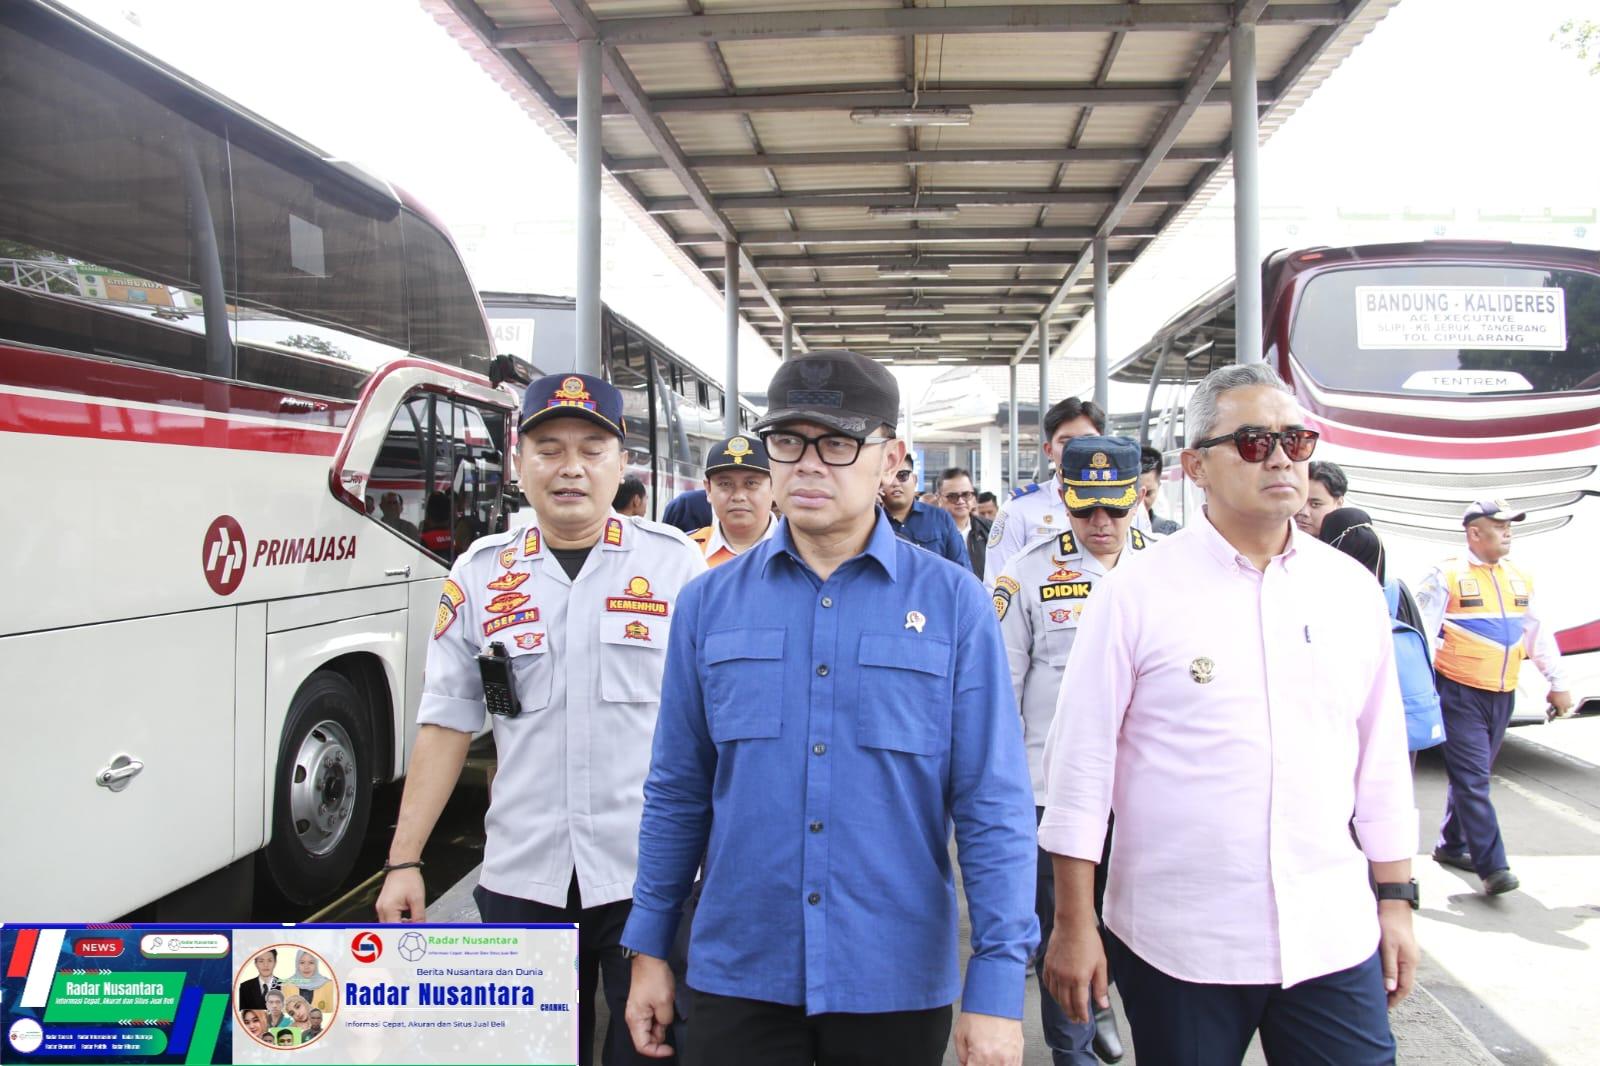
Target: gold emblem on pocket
point(1201, 670)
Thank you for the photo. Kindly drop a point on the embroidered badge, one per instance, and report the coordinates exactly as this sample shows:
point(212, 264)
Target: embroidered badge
point(508, 556)
point(530, 544)
point(506, 602)
point(529, 641)
point(1065, 590)
point(614, 532)
point(507, 581)
point(636, 631)
point(915, 620)
point(1201, 670)
point(449, 603)
point(1060, 615)
point(1062, 573)
point(1066, 545)
point(506, 621)
point(638, 600)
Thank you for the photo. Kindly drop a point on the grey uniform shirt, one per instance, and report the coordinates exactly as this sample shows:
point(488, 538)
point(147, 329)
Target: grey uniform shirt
point(1040, 596)
point(587, 656)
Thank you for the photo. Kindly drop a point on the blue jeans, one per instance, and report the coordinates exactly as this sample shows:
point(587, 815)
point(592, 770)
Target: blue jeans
point(1070, 1042)
point(1339, 1019)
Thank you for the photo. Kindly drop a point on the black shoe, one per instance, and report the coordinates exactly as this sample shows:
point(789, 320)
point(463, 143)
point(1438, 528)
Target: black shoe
point(1500, 882)
point(1459, 860)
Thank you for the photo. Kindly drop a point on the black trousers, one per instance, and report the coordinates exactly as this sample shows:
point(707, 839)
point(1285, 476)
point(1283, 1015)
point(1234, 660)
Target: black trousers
point(729, 1031)
point(600, 961)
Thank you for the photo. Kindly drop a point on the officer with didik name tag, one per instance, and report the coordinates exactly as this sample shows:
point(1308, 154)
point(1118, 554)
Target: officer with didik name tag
point(1040, 598)
point(560, 631)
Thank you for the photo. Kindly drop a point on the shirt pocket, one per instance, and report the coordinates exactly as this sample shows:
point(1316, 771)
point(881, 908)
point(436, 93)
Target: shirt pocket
point(744, 684)
point(904, 700)
point(1058, 621)
point(633, 655)
point(531, 669)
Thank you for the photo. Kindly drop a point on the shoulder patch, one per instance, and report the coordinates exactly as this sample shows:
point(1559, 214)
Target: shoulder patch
point(531, 543)
point(1026, 490)
point(613, 535)
point(450, 602)
point(996, 529)
point(1004, 589)
point(1136, 538)
point(1066, 544)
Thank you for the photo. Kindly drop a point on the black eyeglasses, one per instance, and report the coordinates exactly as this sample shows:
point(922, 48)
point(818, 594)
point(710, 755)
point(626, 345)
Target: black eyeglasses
point(834, 449)
point(1255, 445)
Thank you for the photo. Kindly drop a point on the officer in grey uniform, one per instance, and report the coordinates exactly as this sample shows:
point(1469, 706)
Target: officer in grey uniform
point(561, 629)
point(1040, 596)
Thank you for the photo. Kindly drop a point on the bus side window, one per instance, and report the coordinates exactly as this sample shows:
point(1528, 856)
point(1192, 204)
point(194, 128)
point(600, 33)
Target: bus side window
point(399, 482)
point(115, 227)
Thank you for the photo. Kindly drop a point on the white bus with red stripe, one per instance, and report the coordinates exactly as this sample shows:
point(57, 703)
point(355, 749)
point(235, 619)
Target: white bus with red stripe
point(1438, 373)
point(248, 412)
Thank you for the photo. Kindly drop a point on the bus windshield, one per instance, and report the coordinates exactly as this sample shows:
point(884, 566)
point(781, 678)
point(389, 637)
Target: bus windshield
point(1450, 330)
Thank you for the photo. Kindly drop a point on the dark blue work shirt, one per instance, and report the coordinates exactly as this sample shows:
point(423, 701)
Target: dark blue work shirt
point(934, 529)
point(816, 740)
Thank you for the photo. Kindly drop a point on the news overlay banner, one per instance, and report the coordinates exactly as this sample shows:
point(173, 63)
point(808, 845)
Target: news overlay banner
point(325, 994)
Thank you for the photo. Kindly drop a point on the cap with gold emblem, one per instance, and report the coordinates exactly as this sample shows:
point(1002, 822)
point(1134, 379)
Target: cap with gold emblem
point(572, 395)
point(1100, 472)
point(739, 452)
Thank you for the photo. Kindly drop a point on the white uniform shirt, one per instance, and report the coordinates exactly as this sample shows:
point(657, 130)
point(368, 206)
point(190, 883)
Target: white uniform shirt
point(1040, 598)
point(587, 656)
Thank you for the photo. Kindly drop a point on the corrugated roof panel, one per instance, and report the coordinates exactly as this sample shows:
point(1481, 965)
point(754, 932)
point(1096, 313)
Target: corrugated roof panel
point(988, 175)
point(1140, 215)
point(789, 63)
point(1158, 57)
point(1122, 127)
point(615, 9)
point(622, 137)
point(706, 134)
point(658, 184)
point(1275, 46)
point(673, 68)
point(747, 218)
point(724, 181)
point(822, 131)
point(728, 7)
point(1074, 214)
point(1096, 175)
point(1207, 128)
point(1008, 127)
point(557, 64)
point(1010, 58)
point(522, 12)
point(799, 179)
point(1176, 172)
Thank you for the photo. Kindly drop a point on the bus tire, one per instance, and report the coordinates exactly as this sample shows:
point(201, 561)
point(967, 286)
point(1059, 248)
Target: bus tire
point(324, 790)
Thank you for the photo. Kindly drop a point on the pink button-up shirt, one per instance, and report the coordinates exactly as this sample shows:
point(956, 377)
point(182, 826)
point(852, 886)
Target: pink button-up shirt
point(1236, 721)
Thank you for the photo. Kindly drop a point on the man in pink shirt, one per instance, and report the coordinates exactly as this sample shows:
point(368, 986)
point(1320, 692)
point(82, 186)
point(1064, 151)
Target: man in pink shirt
point(1239, 740)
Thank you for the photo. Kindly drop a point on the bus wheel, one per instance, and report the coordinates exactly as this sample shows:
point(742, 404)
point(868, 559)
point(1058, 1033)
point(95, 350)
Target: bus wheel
point(324, 790)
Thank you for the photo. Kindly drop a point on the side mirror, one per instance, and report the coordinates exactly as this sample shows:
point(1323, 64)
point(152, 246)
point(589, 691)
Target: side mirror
point(504, 368)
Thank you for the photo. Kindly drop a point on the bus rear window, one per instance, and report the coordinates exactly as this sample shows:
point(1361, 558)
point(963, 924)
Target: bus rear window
point(1450, 330)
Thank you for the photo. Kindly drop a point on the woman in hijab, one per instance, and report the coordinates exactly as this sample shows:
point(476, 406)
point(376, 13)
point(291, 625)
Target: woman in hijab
point(309, 983)
point(1350, 530)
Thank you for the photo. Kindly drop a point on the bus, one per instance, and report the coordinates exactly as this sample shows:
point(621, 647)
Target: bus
point(674, 411)
point(250, 408)
point(1438, 373)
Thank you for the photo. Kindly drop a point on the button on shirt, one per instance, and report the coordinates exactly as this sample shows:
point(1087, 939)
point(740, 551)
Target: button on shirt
point(1234, 739)
point(816, 755)
point(934, 529)
point(1040, 599)
point(586, 657)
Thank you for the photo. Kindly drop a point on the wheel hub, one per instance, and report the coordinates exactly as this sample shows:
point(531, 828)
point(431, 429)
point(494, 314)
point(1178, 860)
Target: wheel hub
point(323, 787)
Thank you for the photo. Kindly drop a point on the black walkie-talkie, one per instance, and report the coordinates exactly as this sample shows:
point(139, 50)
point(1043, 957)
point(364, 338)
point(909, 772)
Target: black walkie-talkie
point(1107, 1041)
point(499, 687)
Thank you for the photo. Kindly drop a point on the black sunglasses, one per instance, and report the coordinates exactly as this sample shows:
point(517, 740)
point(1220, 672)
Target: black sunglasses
point(1114, 512)
point(1255, 445)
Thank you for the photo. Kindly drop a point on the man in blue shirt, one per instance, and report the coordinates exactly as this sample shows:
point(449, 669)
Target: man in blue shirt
point(925, 526)
point(815, 754)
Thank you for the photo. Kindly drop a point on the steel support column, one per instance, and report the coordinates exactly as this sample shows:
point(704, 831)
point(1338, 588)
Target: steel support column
point(587, 330)
point(1102, 326)
point(730, 317)
point(1044, 396)
point(788, 337)
point(1011, 430)
point(1246, 195)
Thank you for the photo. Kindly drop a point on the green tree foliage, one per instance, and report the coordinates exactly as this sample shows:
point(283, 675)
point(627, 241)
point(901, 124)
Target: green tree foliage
point(1583, 37)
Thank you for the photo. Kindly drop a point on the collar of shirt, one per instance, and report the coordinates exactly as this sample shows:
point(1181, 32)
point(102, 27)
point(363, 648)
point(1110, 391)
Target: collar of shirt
point(717, 541)
point(880, 546)
point(1227, 555)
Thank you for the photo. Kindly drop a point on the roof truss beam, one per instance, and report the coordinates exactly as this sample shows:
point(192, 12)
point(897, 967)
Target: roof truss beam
point(897, 235)
point(906, 197)
point(904, 157)
point(836, 100)
point(912, 22)
point(974, 258)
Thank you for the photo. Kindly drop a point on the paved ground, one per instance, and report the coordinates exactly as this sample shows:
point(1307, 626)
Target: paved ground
point(1515, 975)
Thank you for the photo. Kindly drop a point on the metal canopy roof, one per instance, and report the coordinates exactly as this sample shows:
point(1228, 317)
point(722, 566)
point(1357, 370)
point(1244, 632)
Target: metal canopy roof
point(743, 121)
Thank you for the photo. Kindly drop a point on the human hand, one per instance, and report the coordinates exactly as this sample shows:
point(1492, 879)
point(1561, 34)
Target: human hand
point(649, 1010)
point(987, 1040)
